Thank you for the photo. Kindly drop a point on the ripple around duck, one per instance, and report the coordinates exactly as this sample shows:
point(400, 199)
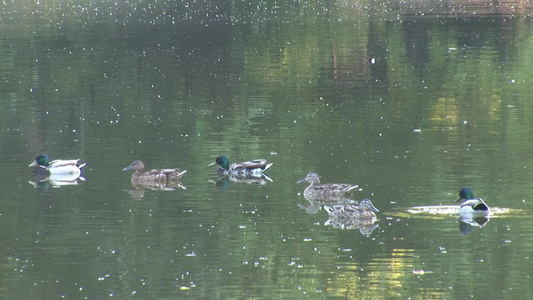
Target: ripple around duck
point(443, 211)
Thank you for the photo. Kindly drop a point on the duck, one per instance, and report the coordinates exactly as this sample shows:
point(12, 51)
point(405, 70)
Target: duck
point(364, 210)
point(155, 177)
point(351, 216)
point(253, 168)
point(333, 191)
point(60, 167)
point(470, 205)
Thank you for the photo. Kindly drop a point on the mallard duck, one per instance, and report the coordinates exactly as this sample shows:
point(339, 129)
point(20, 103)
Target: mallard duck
point(43, 166)
point(317, 190)
point(471, 206)
point(351, 216)
point(159, 177)
point(254, 167)
point(364, 210)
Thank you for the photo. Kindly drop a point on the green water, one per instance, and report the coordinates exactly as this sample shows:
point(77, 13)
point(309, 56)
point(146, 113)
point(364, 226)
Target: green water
point(410, 102)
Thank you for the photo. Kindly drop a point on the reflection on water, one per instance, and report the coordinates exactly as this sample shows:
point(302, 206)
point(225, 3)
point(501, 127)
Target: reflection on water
point(344, 217)
point(224, 181)
point(44, 183)
point(406, 99)
point(315, 204)
point(140, 189)
point(467, 224)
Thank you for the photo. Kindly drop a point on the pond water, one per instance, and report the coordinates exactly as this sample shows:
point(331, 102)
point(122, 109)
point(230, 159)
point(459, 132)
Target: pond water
point(409, 100)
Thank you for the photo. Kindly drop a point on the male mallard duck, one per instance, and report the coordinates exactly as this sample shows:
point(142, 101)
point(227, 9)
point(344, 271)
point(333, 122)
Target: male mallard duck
point(316, 190)
point(159, 177)
point(471, 206)
point(247, 168)
point(43, 166)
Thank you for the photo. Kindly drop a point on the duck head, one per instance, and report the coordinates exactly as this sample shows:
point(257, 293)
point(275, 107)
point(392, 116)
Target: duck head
point(41, 160)
point(311, 178)
point(465, 194)
point(366, 204)
point(136, 165)
point(222, 161)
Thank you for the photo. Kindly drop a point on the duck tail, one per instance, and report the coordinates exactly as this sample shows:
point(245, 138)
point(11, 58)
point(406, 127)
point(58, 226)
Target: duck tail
point(265, 167)
point(351, 188)
point(267, 178)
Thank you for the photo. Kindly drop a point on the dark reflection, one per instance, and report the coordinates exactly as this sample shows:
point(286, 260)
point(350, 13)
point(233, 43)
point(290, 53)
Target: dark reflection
point(258, 179)
point(349, 216)
point(467, 224)
point(316, 203)
point(45, 183)
point(140, 189)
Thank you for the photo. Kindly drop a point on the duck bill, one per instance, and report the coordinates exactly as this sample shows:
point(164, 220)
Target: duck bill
point(373, 208)
point(127, 168)
point(301, 180)
point(33, 164)
point(211, 164)
point(458, 200)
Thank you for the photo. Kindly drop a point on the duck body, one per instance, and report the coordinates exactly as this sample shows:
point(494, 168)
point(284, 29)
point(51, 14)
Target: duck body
point(59, 167)
point(154, 177)
point(332, 191)
point(351, 216)
point(365, 210)
point(471, 206)
point(253, 168)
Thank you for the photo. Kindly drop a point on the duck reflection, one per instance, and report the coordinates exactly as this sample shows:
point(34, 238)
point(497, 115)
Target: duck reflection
point(140, 189)
point(351, 216)
point(467, 224)
point(44, 183)
point(258, 179)
point(316, 203)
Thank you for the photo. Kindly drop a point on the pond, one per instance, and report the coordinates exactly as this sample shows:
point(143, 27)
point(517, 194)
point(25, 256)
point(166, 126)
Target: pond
point(409, 100)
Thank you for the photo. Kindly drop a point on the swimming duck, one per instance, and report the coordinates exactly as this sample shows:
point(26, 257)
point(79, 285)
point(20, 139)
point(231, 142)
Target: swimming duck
point(471, 206)
point(248, 168)
point(365, 210)
point(351, 216)
point(316, 190)
point(43, 166)
point(156, 177)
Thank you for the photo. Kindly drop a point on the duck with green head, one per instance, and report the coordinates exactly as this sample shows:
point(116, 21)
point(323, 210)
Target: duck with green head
point(70, 167)
point(253, 168)
point(333, 191)
point(155, 177)
point(470, 205)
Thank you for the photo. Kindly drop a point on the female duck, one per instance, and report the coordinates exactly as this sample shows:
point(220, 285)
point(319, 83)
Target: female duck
point(316, 190)
point(254, 167)
point(351, 216)
point(153, 177)
point(365, 210)
point(471, 206)
point(43, 166)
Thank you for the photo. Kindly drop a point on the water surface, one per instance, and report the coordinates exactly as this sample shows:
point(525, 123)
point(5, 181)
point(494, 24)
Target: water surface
point(410, 101)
